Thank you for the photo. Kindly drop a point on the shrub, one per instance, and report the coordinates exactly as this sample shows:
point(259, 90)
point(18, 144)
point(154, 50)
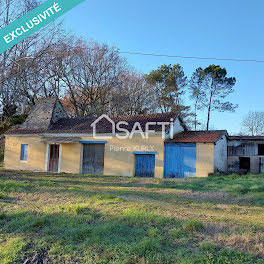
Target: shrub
point(15, 120)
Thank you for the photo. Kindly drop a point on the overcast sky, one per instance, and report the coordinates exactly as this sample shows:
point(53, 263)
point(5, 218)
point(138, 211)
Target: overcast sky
point(205, 28)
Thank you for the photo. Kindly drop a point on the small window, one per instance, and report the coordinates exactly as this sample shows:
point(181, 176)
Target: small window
point(261, 149)
point(24, 152)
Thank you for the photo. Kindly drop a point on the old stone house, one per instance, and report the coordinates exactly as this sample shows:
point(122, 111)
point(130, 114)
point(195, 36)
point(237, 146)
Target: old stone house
point(51, 141)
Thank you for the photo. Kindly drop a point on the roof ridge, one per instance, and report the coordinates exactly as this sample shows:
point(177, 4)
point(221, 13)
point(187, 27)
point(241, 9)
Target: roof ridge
point(120, 116)
point(217, 130)
point(146, 114)
point(83, 124)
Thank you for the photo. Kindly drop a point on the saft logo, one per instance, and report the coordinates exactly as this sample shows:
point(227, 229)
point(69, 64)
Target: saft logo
point(121, 131)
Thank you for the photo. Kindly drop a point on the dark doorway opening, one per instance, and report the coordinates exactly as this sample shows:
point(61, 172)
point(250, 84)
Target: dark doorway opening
point(261, 149)
point(244, 163)
point(54, 153)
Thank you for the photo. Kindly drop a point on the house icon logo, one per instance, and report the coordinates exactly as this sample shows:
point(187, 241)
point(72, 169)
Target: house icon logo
point(107, 128)
point(95, 123)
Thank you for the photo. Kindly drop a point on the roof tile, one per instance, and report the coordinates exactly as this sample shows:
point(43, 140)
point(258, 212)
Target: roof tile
point(83, 125)
point(197, 136)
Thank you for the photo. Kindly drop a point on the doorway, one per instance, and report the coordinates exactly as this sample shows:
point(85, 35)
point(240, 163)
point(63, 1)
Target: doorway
point(93, 159)
point(244, 163)
point(180, 160)
point(54, 154)
point(144, 165)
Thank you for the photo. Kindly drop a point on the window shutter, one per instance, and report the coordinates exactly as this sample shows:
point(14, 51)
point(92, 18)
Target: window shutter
point(24, 152)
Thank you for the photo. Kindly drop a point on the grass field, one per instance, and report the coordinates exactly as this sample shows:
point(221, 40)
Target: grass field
point(60, 218)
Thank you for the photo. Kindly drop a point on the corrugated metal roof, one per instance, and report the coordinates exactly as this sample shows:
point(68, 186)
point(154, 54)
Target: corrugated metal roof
point(246, 137)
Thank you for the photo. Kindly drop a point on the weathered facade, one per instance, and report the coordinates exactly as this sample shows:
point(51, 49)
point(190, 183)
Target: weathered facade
point(50, 141)
point(196, 153)
point(246, 153)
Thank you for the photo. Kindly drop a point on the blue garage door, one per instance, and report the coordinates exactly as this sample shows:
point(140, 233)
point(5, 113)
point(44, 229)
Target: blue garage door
point(179, 160)
point(144, 165)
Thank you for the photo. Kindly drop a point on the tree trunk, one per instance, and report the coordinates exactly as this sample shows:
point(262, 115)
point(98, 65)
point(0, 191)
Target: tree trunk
point(208, 119)
point(195, 115)
point(209, 111)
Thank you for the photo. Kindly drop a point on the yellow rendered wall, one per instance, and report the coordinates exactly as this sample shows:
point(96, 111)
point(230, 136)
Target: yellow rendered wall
point(119, 157)
point(123, 162)
point(70, 159)
point(204, 159)
point(36, 154)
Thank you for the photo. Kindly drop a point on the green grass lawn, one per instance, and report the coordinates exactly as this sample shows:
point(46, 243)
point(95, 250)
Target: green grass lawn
point(63, 218)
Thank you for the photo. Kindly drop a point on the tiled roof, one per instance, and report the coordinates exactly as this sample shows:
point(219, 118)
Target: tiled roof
point(17, 130)
point(197, 136)
point(60, 140)
point(83, 125)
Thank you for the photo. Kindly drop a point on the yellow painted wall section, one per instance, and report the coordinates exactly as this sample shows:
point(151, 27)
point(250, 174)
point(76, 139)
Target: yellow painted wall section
point(204, 159)
point(36, 154)
point(70, 158)
point(119, 158)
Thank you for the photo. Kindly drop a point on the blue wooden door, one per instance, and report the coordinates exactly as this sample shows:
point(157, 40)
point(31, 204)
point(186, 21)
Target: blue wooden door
point(144, 165)
point(179, 160)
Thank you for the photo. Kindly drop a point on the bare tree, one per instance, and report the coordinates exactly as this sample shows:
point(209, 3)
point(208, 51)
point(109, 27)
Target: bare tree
point(20, 66)
point(91, 72)
point(9, 92)
point(253, 123)
point(134, 96)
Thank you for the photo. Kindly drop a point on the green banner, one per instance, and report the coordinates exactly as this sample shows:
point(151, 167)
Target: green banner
point(34, 21)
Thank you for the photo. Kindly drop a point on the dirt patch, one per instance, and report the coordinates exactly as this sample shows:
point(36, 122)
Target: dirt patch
point(248, 242)
point(212, 196)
